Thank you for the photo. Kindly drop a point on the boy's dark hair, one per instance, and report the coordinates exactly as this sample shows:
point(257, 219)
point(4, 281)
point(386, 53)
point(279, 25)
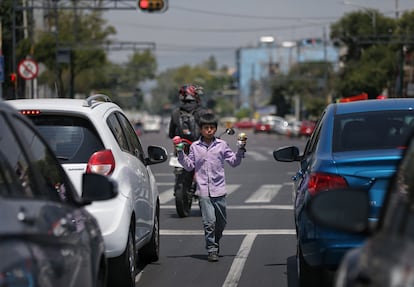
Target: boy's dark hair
point(207, 119)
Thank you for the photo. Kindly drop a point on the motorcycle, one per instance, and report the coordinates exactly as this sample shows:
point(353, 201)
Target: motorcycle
point(185, 185)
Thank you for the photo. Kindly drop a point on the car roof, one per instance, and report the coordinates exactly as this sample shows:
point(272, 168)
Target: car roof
point(6, 107)
point(374, 105)
point(79, 106)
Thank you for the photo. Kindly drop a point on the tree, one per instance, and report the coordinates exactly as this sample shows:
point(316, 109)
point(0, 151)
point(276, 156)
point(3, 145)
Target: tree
point(373, 61)
point(82, 34)
point(310, 81)
point(141, 66)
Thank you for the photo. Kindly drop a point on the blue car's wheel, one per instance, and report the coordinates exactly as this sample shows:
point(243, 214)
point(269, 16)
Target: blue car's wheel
point(308, 276)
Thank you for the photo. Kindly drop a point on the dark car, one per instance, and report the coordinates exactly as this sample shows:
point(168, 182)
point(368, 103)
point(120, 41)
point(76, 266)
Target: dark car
point(47, 238)
point(354, 145)
point(386, 259)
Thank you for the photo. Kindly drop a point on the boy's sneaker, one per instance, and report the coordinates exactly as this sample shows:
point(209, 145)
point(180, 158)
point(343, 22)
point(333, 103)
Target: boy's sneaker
point(212, 256)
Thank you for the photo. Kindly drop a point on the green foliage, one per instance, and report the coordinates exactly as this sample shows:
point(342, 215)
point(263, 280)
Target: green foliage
point(244, 113)
point(141, 66)
point(311, 81)
point(165, 96)
point(373, 52)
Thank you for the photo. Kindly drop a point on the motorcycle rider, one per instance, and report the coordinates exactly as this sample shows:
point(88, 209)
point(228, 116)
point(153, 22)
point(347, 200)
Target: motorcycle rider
point(206, 157)
point(190, 103)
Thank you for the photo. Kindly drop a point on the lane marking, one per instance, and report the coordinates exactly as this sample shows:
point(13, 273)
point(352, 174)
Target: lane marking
point(164, 174)
point(256, 206)
point(231, 188)
point(239, 261)
point(166, 196)
point(165, 183)
point(256, 155)
point(179, 232)
point(265, 193)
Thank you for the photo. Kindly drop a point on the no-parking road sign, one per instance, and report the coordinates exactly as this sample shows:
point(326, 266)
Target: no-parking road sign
point(28, 69)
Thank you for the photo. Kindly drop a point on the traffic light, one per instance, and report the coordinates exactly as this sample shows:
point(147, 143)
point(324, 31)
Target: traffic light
point(13, 79)
point(158, 6)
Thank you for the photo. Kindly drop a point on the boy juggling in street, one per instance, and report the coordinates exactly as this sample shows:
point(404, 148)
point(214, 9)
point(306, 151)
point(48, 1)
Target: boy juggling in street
point(207, 156)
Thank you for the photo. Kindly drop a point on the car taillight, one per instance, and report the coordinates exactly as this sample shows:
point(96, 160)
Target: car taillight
point(102, 162)
point(325, 181)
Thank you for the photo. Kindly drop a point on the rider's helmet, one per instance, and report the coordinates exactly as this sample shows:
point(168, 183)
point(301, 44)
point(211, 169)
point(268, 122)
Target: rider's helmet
point(190, 92)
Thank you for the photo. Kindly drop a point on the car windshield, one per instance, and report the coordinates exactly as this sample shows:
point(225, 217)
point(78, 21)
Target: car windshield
point(371, 130)
point(72, 139)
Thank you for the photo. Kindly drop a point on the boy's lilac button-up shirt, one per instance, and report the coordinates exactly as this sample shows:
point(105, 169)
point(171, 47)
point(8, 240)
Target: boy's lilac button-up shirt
point(208, 163)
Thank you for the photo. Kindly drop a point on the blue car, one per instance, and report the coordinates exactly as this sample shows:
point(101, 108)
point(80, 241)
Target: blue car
point(354, 145)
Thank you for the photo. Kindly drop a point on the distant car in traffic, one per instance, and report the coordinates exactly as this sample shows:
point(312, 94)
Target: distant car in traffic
point(245, 123)
point(152, 124)
point(95, 136)
point(354, 145)
point(306, 128)
point(280, 125)
point(262, 127)
point(48, 238)
point(138, 128)
point(386, 257)
point(293, 129)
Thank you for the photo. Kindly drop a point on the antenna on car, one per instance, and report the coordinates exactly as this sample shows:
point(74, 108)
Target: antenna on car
point(97, 97)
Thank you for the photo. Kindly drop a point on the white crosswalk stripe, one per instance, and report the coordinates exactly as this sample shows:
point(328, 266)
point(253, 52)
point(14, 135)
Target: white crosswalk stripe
point(264, 194)
point(256, 155)
point(168, 194)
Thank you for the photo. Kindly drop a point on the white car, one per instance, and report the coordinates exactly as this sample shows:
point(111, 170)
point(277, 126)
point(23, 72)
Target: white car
point(152, 124)
point(94, 135)
point(279, 125)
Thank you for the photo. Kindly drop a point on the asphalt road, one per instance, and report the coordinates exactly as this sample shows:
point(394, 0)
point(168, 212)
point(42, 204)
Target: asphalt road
point(259, 243)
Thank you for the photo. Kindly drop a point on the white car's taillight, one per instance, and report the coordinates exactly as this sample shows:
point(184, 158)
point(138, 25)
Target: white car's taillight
point(102, 162)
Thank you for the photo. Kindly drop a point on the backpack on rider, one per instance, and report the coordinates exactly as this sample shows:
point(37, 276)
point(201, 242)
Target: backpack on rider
point(184, 119)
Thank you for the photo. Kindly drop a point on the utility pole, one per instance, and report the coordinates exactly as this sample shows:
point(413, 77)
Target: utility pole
point(400, 75)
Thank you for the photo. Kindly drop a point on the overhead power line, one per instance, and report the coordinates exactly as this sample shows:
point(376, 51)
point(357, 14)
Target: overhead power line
point(244, 16)
point(223, 30)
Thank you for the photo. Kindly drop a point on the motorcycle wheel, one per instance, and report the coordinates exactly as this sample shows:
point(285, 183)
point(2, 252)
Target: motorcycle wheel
point(183, 198)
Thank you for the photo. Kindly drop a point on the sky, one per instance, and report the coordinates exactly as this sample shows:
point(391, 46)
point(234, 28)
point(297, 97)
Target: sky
point(191, 31)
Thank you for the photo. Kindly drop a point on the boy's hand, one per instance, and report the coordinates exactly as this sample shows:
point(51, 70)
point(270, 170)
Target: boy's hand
point(241, 144)
point(242, 140)
point(177, 143)
point(176, 140)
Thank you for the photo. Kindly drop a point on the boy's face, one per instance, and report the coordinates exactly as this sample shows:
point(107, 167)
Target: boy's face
point(208, 131)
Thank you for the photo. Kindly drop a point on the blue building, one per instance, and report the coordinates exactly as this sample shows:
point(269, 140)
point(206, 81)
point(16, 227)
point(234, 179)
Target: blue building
point(256, 65)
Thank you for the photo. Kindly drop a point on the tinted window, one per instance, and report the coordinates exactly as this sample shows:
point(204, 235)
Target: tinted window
point(17, 161)
point(136, 148)
point(10, 186)
point(50, 177)
point(116, 130)
point(375, 130)
point(72, 139)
